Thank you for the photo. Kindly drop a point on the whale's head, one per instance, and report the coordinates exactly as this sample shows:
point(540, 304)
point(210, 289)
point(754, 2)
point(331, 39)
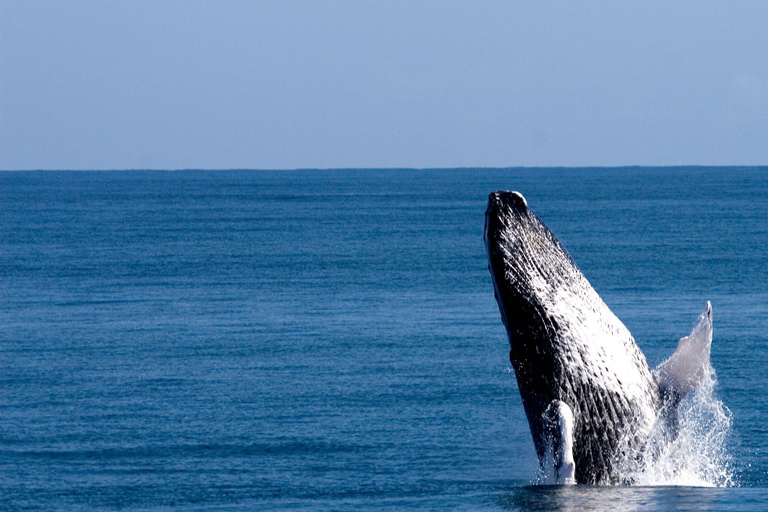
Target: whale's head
point(532, 278)
point(529, 268)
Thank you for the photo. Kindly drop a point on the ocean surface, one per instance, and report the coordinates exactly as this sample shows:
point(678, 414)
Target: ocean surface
point(329, 340)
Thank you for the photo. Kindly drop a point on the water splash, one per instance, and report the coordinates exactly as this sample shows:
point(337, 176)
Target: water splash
point(699, 455)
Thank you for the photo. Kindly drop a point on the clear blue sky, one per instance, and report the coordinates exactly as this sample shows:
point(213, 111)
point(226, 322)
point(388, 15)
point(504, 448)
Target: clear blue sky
point(285, 84)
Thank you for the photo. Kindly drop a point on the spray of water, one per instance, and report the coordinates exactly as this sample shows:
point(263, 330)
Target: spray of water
point(699, 455)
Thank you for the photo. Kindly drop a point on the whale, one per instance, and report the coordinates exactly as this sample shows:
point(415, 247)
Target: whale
point(595, 407)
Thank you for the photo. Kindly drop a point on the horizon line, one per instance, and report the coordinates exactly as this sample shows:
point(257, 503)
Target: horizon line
point(463, 168)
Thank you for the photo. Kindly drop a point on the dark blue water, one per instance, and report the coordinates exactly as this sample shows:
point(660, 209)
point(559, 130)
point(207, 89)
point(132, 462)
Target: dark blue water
point(329, 339)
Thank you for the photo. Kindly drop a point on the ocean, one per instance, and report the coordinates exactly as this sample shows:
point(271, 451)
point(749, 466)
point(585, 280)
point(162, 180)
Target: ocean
point(329, 340)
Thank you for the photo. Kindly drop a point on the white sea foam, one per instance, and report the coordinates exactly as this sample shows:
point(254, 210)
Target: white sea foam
point(699, 455)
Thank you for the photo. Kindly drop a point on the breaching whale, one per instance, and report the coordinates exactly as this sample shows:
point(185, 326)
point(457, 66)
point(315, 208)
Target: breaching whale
point(592, 402)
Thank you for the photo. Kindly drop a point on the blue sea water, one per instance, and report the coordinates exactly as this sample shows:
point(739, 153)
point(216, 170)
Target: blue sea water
point(329, 340)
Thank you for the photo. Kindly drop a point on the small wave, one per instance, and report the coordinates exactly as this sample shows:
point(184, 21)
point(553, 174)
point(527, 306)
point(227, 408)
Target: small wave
point(197, 450)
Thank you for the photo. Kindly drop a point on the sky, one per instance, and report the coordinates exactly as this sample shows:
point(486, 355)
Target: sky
point(284, 84)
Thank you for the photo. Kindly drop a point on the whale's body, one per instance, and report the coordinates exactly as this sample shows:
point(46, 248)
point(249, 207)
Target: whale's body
point(590, 397)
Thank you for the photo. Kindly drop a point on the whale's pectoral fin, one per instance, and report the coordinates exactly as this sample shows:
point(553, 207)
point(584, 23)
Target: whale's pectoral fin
point(558, 466)
point(690, 363)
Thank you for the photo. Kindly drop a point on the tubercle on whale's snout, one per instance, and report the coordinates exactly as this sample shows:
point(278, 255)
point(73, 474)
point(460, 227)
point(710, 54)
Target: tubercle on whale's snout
point(500, 204)
point(508, 198)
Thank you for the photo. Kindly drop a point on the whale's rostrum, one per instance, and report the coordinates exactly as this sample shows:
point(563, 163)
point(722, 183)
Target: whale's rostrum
point(590, 398)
